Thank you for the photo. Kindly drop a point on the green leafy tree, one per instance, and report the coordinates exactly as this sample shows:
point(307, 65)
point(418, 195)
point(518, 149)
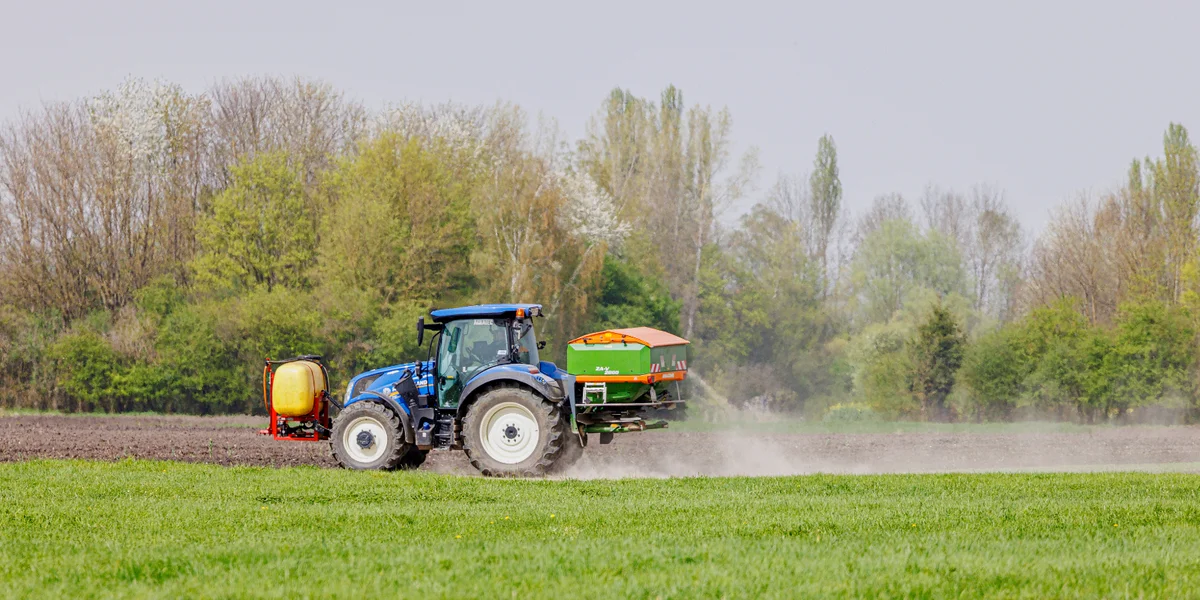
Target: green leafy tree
point(395, 336)
point(1176, 179)
point(1059, 343)
point(995, 369)
point(399, 220)
point(788, 282)
point(88, 370)
point(883, 366)
point(1072, 375)
point(826, 196)
point(261, 231)
point(193, 370)
point(937, 353)
point(629, 298)
point(1054, 360)
point(1153, 350)
point(895, 261)
point(189, 367)
point(733, 313)
point(24, 339)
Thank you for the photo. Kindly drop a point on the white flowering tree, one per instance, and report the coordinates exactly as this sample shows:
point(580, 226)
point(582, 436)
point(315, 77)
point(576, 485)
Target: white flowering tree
point(134, 116)
point(457, 126)
point(590, 212)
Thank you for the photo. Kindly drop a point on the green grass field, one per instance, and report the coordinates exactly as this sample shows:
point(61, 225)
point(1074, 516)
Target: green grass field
point(132, 529)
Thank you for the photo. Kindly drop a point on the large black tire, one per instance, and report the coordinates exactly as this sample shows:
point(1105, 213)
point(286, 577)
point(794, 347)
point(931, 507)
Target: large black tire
point(571, 453)
point(527, 433)
point(387, 448)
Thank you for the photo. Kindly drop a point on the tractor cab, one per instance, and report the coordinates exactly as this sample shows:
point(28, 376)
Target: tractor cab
point(474, 339)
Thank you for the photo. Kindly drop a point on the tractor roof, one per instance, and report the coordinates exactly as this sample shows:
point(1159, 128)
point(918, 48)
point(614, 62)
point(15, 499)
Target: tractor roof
point(483, 311)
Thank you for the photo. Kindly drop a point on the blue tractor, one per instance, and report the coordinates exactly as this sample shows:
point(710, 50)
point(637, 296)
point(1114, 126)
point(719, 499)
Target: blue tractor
point(484, 390)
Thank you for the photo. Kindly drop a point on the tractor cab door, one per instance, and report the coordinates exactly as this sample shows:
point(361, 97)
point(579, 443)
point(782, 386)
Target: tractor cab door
point(468, 346)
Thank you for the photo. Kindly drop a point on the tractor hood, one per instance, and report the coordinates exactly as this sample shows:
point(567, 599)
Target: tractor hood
point(380, 381)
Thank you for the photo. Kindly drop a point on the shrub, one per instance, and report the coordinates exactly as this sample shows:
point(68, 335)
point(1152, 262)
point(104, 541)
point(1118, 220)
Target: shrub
point(883, 367)
point(194, 370)
point(937, 352)
point(850, 412)
point(87, 371)
point(994, 369)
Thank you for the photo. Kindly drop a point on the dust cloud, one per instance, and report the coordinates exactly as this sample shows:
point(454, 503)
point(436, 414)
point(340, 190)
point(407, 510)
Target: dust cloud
point(752, 441)
point(746, 453)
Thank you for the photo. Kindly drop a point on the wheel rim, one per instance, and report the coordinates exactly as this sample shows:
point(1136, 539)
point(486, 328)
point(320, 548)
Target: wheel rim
point(365, 429)
point(509, 432)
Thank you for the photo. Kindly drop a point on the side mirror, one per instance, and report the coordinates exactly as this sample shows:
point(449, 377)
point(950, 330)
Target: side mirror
point(541, 345)
point(420, 331)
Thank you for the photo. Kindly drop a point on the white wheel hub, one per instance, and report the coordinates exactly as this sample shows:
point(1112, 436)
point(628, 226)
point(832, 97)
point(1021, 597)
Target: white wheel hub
point(365, 440)
point(509, 432)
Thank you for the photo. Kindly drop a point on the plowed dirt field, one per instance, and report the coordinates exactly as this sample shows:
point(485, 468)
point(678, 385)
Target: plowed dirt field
point(235, 441)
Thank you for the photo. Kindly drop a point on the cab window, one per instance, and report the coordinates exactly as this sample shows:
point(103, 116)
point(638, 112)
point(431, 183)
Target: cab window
point(527, 351)
point(472, 344)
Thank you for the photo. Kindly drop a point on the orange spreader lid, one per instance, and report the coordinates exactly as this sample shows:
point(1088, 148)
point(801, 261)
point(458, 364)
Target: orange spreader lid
point(647, 336)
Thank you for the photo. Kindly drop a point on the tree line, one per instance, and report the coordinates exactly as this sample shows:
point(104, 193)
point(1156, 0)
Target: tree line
point(156, 244)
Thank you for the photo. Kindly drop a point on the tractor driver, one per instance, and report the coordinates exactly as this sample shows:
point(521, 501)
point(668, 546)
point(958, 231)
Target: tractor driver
point(487, 351)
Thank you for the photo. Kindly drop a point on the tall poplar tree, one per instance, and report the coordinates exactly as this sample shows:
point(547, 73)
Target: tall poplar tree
point(826, 198)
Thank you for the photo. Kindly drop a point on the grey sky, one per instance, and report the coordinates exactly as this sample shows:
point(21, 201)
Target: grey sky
point(1045, 99)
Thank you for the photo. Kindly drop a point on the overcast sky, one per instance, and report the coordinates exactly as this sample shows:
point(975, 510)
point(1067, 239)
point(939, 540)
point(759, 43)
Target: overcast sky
point(1045, 99)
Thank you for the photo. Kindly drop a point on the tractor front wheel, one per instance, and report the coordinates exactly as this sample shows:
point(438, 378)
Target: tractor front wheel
point(367, 435)
point(511, 431)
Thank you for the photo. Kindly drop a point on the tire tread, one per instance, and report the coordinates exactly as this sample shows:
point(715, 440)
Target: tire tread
point(399, 449)
point(552, 450)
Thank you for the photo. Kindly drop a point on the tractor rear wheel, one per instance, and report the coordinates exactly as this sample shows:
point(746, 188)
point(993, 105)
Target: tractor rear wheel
point(366, 436)
point(571, 453)
point(511, 431)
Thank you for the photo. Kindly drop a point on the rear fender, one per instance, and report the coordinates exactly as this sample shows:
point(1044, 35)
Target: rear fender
point(519, 374)
point(397, 406)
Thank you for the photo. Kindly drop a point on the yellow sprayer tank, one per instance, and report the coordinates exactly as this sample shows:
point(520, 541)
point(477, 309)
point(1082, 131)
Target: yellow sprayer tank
point(297, 387)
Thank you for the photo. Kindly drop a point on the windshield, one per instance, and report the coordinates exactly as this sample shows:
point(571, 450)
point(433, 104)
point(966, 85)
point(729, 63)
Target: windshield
point(471, 344)
point(527, 351)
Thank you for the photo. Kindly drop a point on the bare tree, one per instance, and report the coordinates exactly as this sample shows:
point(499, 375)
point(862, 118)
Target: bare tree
point(888, 207)
point(709, 195)
point(100, 196)
point(308, 119)
point(947, 212)
point(1072, 259)
point(987, 236)
point(790, 199)
point(993, 249)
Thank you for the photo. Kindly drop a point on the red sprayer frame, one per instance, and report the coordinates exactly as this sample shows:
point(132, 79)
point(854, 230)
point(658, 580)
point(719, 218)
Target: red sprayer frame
point(318, 419)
